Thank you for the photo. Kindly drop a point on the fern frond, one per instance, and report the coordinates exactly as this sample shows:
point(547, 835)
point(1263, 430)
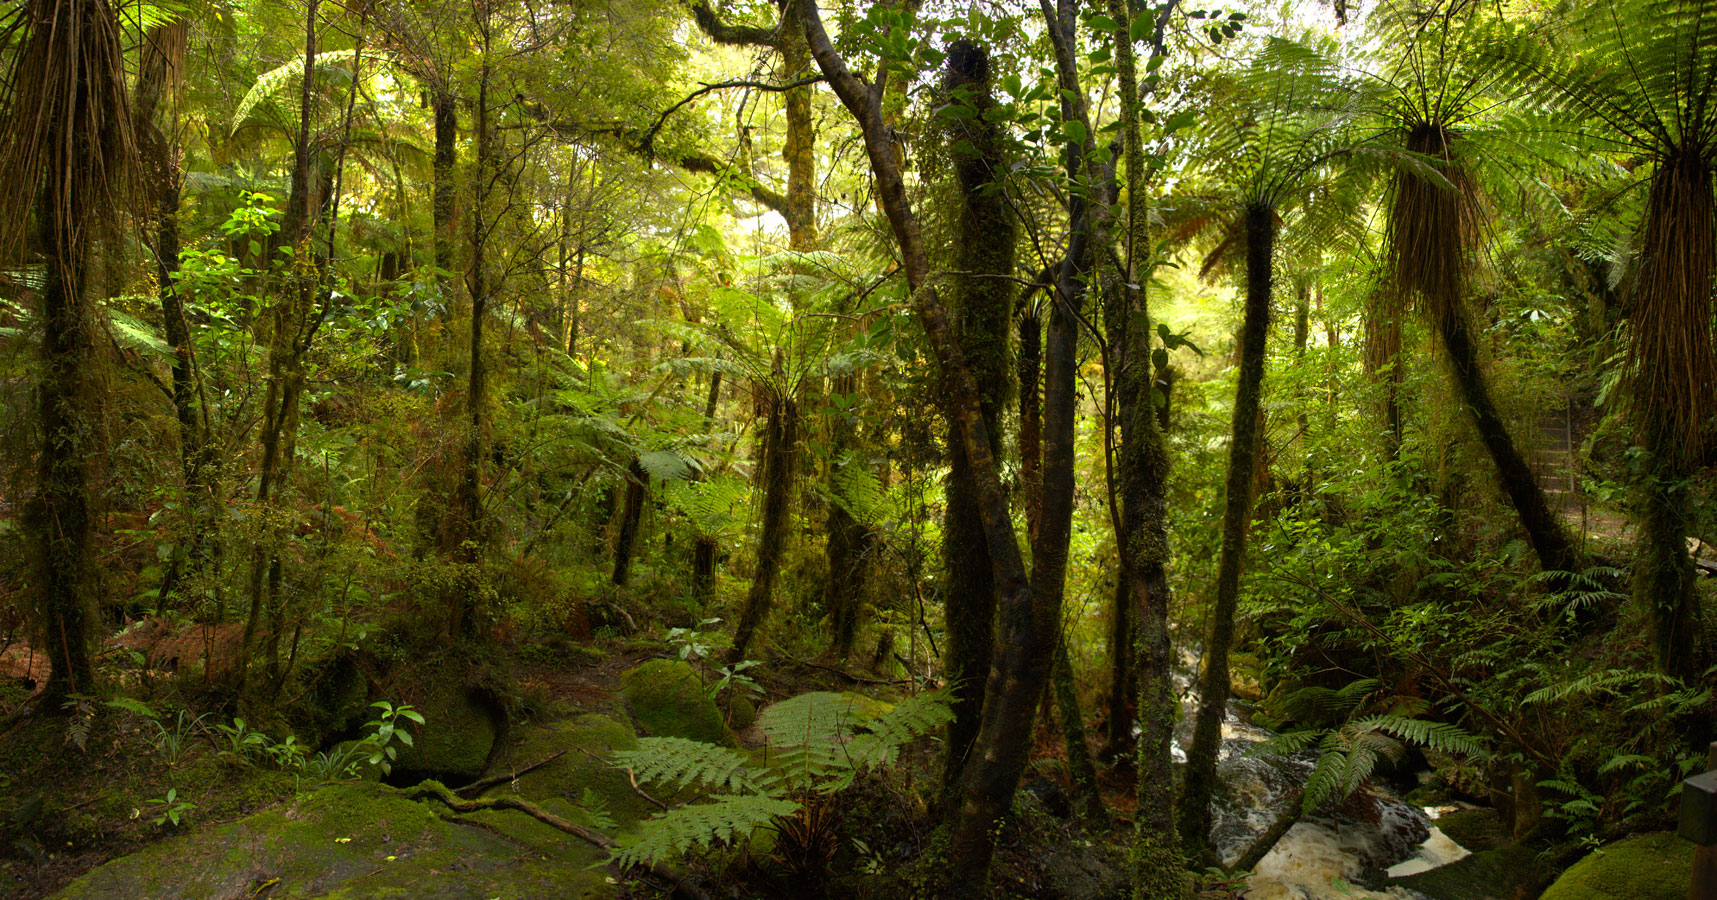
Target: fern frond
point(679, 763)
point(728, 818)
point(1440, 736)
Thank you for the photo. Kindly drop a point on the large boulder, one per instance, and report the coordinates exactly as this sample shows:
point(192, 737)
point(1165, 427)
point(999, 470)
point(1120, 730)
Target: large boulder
point(1646, 867)
point(667, 699)
point(356, 840)
point(461, 723)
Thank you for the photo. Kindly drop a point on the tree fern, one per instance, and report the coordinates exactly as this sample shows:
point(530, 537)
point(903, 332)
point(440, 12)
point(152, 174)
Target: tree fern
point(272, 82)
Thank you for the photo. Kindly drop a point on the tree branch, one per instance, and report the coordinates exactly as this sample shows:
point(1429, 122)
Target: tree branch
point(650, 136)
point(731, 35)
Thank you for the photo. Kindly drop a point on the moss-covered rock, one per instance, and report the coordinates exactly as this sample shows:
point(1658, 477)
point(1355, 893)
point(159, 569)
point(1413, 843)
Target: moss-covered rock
point(1502, 874)
point(460, 726)
point(589, 741)
point(1647, 867)
point(349, 841)
point(1475, 829)
point(666, 698)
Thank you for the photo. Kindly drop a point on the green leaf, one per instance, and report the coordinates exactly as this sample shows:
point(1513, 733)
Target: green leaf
point(1140, 28)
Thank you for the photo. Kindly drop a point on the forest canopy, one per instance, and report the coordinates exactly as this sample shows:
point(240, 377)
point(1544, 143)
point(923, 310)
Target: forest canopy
point(868, 449)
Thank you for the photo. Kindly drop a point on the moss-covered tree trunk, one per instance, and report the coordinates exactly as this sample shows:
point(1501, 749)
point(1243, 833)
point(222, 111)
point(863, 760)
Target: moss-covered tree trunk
point(444, 107)
point(1213, 683)
point(289, 336)
point(849, 542)
point(779, 453)
point(1030, 416)
point(70, 68)
point(1080, 767)
point(982, 306)
point(703, 548)
point(631, 515)
point(1142, 461)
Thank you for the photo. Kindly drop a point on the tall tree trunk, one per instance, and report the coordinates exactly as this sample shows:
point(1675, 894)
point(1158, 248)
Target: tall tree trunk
point(445, 109)
point(1383, 363)
point(1142, 463)
point(462, 534)
point(703, 551)
point(983, 309)
point(1213, 682)
point(69, 148)
point(849, 543)
point(780, 452)
point(1543, 526)
point(1030, 417)
point(1026, 638)
point(158, 75)
point(285, 368)
point(799, 148)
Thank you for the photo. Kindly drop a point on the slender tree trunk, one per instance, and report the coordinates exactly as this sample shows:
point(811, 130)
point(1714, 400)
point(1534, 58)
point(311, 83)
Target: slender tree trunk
point(1543, 527)
point(849, 540)
point(1030, 418)
point(1079, 765)
point(637, 483)
point(285, 368)
point(1142, 463)
point(703, 551)
point(462, 534)
point(1214, 683)
point(445, 109)
point(983, 310)
point(780, 451)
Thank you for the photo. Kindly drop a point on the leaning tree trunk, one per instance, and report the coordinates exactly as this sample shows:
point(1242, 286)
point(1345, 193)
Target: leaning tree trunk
point(780, 452)
point(1543, 526)
point(983, 310)
point(1237, 512)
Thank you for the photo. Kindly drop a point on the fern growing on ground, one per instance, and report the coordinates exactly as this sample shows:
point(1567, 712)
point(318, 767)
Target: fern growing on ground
point(817, 743)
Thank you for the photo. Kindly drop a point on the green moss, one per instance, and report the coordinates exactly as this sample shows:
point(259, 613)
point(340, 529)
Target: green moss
point(1475, 829)
point(666, 698)
point(458, 733)
point(1647, 867)
point(568, 777)
point(351, 841)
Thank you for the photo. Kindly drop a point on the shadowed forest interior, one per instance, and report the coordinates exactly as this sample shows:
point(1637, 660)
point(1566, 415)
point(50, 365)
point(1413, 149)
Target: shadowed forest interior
point(733, 449)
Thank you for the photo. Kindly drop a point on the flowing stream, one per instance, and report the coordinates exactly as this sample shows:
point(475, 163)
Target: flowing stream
point(1330, 854)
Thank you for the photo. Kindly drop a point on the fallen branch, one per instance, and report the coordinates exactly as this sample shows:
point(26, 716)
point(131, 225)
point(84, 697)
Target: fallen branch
point(682, 885)
point(1292, 809)
point(483, 784)
point(629, 777)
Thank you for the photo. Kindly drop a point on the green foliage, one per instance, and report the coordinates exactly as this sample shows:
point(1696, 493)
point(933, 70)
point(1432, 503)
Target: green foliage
point(170, 808)
point(818, 742)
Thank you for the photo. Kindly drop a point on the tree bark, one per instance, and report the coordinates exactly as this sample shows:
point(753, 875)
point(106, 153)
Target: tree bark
point(445, 108)
point(780, 452)
point(1214, 683)
point(1543, 526)
point(1079, 765)
point(1027, 634)
point(637, 482)
point(982, 304)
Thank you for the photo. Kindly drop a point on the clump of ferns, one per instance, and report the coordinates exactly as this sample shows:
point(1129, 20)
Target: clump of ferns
point(817, 746)
point(1351, 730)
